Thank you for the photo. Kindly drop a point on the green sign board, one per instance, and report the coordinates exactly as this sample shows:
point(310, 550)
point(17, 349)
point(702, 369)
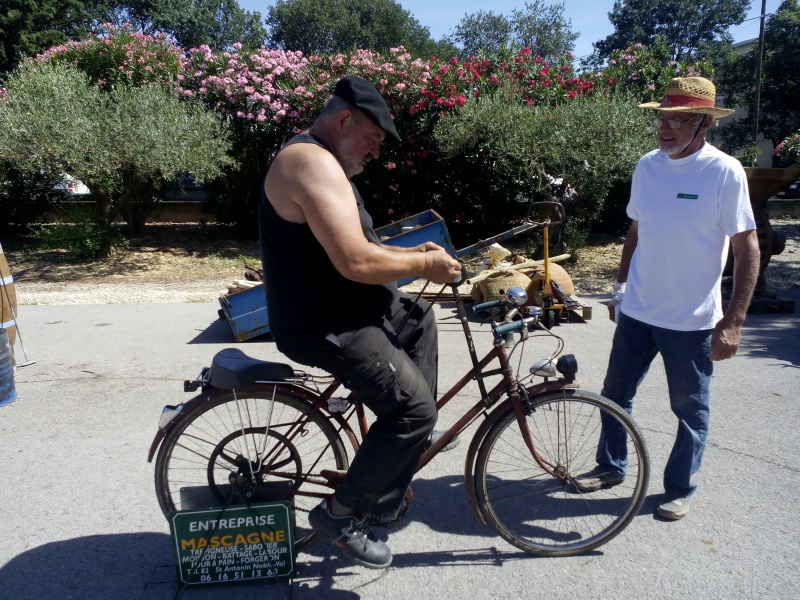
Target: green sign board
point(239, 543)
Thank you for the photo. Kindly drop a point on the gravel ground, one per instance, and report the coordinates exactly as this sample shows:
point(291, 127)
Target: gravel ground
point(593, 274)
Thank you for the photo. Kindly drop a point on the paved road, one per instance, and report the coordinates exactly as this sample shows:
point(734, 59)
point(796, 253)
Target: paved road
point(81, 520)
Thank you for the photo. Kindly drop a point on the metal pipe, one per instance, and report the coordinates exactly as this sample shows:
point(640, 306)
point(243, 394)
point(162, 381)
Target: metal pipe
point(759, 66)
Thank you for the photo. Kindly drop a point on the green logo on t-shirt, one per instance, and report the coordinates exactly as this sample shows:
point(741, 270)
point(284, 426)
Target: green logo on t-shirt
point(688, 196)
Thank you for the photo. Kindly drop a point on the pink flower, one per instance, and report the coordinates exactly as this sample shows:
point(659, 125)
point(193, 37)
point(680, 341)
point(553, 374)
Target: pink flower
point(391, 166)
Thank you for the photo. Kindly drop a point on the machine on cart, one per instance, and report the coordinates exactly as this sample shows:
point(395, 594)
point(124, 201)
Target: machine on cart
point(246, 311)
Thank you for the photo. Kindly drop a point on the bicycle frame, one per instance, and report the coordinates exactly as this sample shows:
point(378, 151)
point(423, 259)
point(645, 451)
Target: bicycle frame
point(532, 445)
point(516, 399)
point(507, 386)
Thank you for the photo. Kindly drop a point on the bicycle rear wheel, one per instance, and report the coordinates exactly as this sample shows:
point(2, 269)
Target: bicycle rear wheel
point(211, 455)
point(539, 512)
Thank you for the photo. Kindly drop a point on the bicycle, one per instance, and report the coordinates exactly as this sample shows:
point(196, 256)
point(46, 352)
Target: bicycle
point(261, 430)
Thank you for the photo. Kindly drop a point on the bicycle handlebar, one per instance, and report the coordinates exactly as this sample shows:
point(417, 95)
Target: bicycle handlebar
point(511, 327)
point(461, 278)
point(486, 306)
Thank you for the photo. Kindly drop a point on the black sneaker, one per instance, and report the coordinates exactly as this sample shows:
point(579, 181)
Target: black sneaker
point(594, 480)
point(352, 535)
point(434, 437)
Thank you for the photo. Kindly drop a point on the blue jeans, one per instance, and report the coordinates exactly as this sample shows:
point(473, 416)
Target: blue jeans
point(686, 356)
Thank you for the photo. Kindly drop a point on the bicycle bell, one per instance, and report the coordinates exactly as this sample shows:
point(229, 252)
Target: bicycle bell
point(516, 296)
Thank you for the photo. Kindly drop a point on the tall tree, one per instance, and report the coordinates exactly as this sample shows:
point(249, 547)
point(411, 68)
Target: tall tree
point(779, 113)
point(336, 25)
point(217, 23)
point(686, 25)
point(482, 31)
point(538, 26)
point(543, 29)
point(28, 27)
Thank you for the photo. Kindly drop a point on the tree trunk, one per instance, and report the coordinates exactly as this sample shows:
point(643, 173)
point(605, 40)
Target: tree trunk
point(104, 219)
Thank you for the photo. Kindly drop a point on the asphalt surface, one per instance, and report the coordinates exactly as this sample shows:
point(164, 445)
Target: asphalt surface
point(80, 516)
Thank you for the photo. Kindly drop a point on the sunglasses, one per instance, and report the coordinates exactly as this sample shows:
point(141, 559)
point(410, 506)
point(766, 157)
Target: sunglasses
point(672, 123)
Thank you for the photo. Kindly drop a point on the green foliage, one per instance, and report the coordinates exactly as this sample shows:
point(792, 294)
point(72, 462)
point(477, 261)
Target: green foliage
point(780, 82)
point(28, 27)
point(685, 25)
point(24, 197)
point(482, 33)
point(215, 23)
point(542, 28)
point(644, 71)
point(538, 26)
point(82, 240)
point(327, 26)
point(592, 143)
point(123, 144)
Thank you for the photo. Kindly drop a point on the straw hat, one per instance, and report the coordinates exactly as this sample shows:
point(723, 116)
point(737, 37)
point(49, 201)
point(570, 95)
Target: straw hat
point(690, 94)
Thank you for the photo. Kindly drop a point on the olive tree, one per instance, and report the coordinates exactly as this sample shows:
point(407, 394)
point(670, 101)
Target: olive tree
point(538, 26)
point(522, 149)
point(124, 144)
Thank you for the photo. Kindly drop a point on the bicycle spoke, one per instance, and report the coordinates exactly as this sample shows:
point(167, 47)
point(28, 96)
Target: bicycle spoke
point(219, 441)
point(543, 514)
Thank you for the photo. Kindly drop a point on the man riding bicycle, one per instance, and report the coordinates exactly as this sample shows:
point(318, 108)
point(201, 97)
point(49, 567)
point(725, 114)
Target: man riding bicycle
point(313, 220)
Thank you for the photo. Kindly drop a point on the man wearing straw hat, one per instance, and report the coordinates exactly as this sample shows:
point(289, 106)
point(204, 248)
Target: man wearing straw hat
point(688, 202)
point(366, 333)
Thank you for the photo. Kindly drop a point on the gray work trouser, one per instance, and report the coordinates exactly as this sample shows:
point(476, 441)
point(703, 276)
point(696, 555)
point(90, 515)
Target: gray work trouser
point(394, 375)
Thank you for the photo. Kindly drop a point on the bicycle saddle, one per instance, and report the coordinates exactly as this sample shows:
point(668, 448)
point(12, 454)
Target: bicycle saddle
point(232, 368)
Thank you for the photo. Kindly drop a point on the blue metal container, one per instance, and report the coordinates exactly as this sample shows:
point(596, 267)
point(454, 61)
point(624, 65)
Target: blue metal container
point(424, 227)
point(8, 392)
point(246, 313)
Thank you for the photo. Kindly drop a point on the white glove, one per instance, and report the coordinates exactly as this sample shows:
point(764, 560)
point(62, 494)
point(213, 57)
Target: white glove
point(616, 300)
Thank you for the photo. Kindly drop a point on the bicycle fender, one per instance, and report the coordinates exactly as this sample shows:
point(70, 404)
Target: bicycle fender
point(488, 423)
point(194, 403)
point(472, 452)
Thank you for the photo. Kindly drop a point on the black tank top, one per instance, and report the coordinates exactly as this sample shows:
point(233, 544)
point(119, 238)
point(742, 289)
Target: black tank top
point(306, 295)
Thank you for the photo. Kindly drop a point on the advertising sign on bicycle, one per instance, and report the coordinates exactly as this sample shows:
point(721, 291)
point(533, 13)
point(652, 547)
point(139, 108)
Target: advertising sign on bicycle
point(235, 544)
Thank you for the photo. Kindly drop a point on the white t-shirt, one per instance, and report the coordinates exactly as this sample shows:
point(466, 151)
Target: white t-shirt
point(687, 210)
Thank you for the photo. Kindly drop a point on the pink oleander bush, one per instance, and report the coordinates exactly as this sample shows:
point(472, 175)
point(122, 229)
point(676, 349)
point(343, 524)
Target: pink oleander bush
point(266, 96)
point(789, 150)
point(121, 55)
point(644, 71)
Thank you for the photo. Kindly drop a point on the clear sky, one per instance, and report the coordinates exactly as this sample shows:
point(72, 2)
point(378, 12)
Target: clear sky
point(589, 18)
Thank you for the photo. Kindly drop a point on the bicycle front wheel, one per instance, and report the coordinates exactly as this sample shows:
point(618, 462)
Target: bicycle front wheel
point(537, 508)
point(253, 447)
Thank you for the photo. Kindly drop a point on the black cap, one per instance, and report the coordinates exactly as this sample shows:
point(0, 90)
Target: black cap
point(363, 95)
